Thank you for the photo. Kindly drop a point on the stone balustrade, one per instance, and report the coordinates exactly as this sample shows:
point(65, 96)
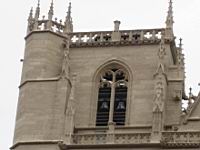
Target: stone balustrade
point(89, 37)
point(44, 25)
point(99, 38)
point(106, 38)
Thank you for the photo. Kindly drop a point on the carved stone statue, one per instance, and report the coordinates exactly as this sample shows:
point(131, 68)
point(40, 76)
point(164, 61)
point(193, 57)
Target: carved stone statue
point(65, 64)
point(158, 101)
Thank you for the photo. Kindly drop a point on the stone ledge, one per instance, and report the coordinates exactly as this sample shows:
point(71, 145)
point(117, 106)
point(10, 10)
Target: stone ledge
point(45, 31)
point(35, 142)
point(100, 146)
point(42, 80)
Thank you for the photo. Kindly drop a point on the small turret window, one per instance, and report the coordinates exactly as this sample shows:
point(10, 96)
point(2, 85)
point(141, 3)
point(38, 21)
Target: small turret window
point(112, 97)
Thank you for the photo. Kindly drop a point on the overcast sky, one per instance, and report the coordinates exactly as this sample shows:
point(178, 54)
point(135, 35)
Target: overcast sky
point(89, 15)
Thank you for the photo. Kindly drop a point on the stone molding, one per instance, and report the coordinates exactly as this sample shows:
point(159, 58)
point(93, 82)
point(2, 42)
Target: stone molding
point(35, 143)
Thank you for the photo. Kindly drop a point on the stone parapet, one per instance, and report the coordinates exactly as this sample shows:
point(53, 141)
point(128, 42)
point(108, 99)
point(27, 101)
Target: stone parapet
point(108, 38)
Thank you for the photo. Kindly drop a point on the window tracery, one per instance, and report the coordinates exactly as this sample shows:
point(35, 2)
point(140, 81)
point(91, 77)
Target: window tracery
point(112, 97)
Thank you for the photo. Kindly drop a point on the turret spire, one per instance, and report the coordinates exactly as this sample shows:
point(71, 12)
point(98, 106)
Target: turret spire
point(169, 35)
point(51, 12)
point(69, 10)
point(37, 12)
point(30, 21)
point(30, 14)
point(170, 19)
point(68, 21)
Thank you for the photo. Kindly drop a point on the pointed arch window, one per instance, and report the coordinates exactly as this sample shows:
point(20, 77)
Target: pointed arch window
point(112, 97)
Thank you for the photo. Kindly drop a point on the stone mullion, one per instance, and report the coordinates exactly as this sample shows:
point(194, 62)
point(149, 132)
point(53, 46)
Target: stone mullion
point(112, 100)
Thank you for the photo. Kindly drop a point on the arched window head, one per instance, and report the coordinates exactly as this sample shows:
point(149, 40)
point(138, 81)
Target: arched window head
point(112, 96)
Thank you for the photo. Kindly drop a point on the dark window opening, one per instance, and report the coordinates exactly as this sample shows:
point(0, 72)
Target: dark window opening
point(103, 106)
point(113, 80)
point(120, 105)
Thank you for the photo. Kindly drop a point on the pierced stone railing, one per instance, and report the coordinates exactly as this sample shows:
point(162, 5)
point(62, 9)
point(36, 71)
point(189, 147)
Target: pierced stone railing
point(89, 37)
point(181, 137)
point(123, 36)
point(44, 24)
point(133, 138)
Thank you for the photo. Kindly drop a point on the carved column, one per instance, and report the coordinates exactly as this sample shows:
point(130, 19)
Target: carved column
point(112, 100)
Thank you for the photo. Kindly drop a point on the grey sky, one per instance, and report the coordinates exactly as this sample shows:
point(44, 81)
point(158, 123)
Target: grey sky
point(89, 15)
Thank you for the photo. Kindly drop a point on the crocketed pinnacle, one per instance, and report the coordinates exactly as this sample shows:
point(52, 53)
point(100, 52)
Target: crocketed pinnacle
point(51, 12)
point(30, 14)
point(68, 21)
point(37, 12)
point(69, 11)
point(170, 19)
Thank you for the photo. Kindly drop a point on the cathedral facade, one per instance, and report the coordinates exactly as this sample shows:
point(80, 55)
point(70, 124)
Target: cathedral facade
point(118, 89)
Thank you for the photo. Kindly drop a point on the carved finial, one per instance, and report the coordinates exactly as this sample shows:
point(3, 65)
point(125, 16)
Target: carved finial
point(50, 14)
point(180, 55)
point(170, 19)
point(190, 93)
point(37, 12)
point(190, 97)
point(180, 42)
point(68, 21)
point(69, 9)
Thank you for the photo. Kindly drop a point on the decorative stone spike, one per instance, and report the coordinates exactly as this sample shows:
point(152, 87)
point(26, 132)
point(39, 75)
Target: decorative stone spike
point(180, 43)
point(169, 35)
point(37, 15)
point(170, 20)
point(50, 16)
point(51, 12)
point(37, 12)
point(180, 55)
point(30, 21)
point(30, 18)
point(68, 21)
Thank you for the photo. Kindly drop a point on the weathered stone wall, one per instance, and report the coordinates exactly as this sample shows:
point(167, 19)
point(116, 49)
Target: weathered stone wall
point(42, 99)
point(43, 56)
point(143, 63)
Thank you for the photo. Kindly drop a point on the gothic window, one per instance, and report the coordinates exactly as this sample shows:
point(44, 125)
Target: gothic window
point(112, 97)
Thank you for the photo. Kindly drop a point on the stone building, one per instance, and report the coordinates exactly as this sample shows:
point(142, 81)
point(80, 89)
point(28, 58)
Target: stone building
point(118, 89)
